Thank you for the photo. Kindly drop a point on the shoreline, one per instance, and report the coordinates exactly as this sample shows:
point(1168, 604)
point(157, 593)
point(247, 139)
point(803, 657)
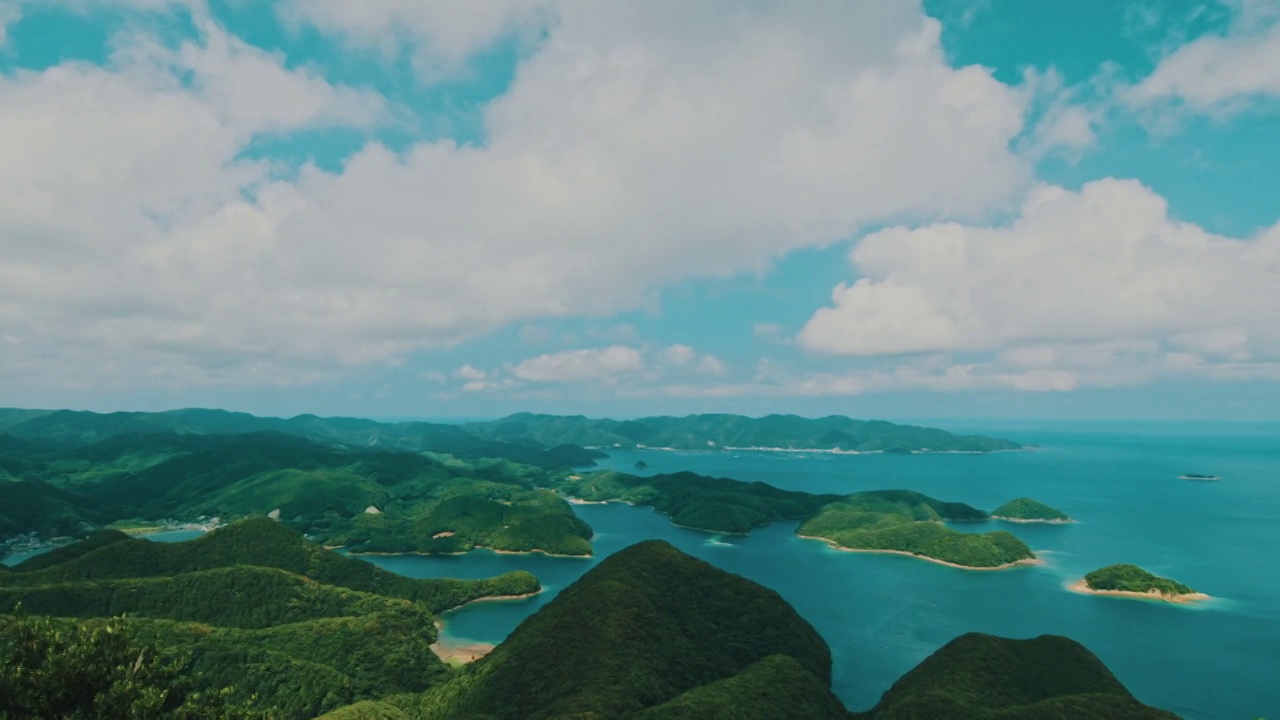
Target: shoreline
point(419, 553)
point(460, 652)
point(1007, 566)
point(1082, 587)
point(829, 451)
point(1031, 521)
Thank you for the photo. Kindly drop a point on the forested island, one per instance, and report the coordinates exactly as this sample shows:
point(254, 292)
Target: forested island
point(734, 432)
point(1197, 476)
point(1133, 581)
point(1028, 510)
point(253, 621)
point(899, 521)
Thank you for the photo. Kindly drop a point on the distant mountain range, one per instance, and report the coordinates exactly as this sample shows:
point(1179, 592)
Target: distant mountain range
point(543, 440)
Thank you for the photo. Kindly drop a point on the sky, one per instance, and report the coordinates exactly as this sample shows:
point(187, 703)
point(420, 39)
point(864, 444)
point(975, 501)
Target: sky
point(409, 208)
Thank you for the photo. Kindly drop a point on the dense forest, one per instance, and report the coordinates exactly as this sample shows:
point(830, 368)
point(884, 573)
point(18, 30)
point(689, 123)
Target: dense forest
point(1028, 510)
point(703, 432)
point(648, 633)
point(1131, 578)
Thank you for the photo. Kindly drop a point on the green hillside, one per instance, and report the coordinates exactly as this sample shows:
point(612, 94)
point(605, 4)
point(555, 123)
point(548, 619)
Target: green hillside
point(639, 630)
point(372, 500)
point(703, 432)
point(979, 676)
point(263, 543)
point(1029, 510)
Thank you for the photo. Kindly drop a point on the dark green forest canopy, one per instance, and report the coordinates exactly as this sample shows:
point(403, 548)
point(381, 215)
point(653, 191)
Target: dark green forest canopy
point(1131, 578)
point(371, 500)
point(980, 676)
point(1030, 510)
point(262, 543)
point(898, 520)
point(703, 432)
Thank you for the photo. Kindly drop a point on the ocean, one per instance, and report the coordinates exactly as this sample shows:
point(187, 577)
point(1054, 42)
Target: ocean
point(882, 614)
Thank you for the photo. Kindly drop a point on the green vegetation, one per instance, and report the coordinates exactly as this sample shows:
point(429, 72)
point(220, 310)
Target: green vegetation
point(898, 520)
point(252, 613)
point(1131, 578)
point(980, 676)
point(371, 500)
point(775, 687)
point(639, 630)
point(1029, 510)
point(703, 432)
point(695, 501)
point(260, 543)
point(56, 669)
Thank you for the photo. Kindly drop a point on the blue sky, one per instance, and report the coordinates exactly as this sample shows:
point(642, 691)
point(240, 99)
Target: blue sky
point(985, 209)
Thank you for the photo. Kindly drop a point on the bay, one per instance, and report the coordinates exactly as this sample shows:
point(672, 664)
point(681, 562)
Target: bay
point(882, 614)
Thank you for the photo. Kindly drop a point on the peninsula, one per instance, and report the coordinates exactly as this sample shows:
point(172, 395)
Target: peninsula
point(1134, 582)
point(1026, 510)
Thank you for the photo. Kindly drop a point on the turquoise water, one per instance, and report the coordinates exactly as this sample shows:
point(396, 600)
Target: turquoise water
point(883, 614)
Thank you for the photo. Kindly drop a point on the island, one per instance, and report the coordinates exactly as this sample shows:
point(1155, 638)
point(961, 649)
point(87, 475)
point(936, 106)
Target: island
point(719, 432)
point(1197, 476)
point(641, 465)
point(889, 521)
point(1026, 510)
point(1134, 582)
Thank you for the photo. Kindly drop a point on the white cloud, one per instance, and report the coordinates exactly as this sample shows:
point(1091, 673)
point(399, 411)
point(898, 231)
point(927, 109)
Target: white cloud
point(1218, 73)
point(140, 243)
point(470, 372)
point(10, 14)
point(683, 356)
point(443, 35)
point(679, 355)
point(578, 365)
point(1103, 273)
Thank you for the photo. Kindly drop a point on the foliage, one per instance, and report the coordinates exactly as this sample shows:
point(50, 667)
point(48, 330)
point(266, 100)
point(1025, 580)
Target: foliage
point(981, 676)
point(1131, 578)
point(702, 432)
point(878, 531)
point(59, 670)
point(1028, 509)
point(644, 626)
point(775, 687)
point(262, 543)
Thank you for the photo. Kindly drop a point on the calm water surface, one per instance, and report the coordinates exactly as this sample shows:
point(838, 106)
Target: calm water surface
point(883, 614)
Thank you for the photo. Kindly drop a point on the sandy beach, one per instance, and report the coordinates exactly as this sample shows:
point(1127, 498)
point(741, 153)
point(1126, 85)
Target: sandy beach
point(458, 651)
point(1080, 586)
point(1006, 566)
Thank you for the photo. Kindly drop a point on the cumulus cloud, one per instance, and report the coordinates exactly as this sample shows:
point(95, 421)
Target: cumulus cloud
point(1217, 73)
point(577, 365)
point(470, 372)
point(1090, 282)
point(142, 244)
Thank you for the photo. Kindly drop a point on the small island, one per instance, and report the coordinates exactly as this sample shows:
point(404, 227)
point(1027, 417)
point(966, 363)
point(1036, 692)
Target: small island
point(1197, 476)
point(641, 465)
point(1134, 582)
point(1026, 510)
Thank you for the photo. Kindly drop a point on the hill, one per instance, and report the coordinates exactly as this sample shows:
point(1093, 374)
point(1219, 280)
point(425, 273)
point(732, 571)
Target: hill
point(979, 676)
point(256, 542)
point(883, 520)
point(710, 432)
point(1133, 581)
point(639, 631)
point(1028, 510)
point(78, 428)
point(369, 499)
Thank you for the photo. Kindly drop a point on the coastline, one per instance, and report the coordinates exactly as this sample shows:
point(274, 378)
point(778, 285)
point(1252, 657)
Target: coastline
point(497, 598)
point(1030, 521)
point(829, 451)
point(453, 554)
point(459, 652)
point(1007, 566)
point(1082, 587)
